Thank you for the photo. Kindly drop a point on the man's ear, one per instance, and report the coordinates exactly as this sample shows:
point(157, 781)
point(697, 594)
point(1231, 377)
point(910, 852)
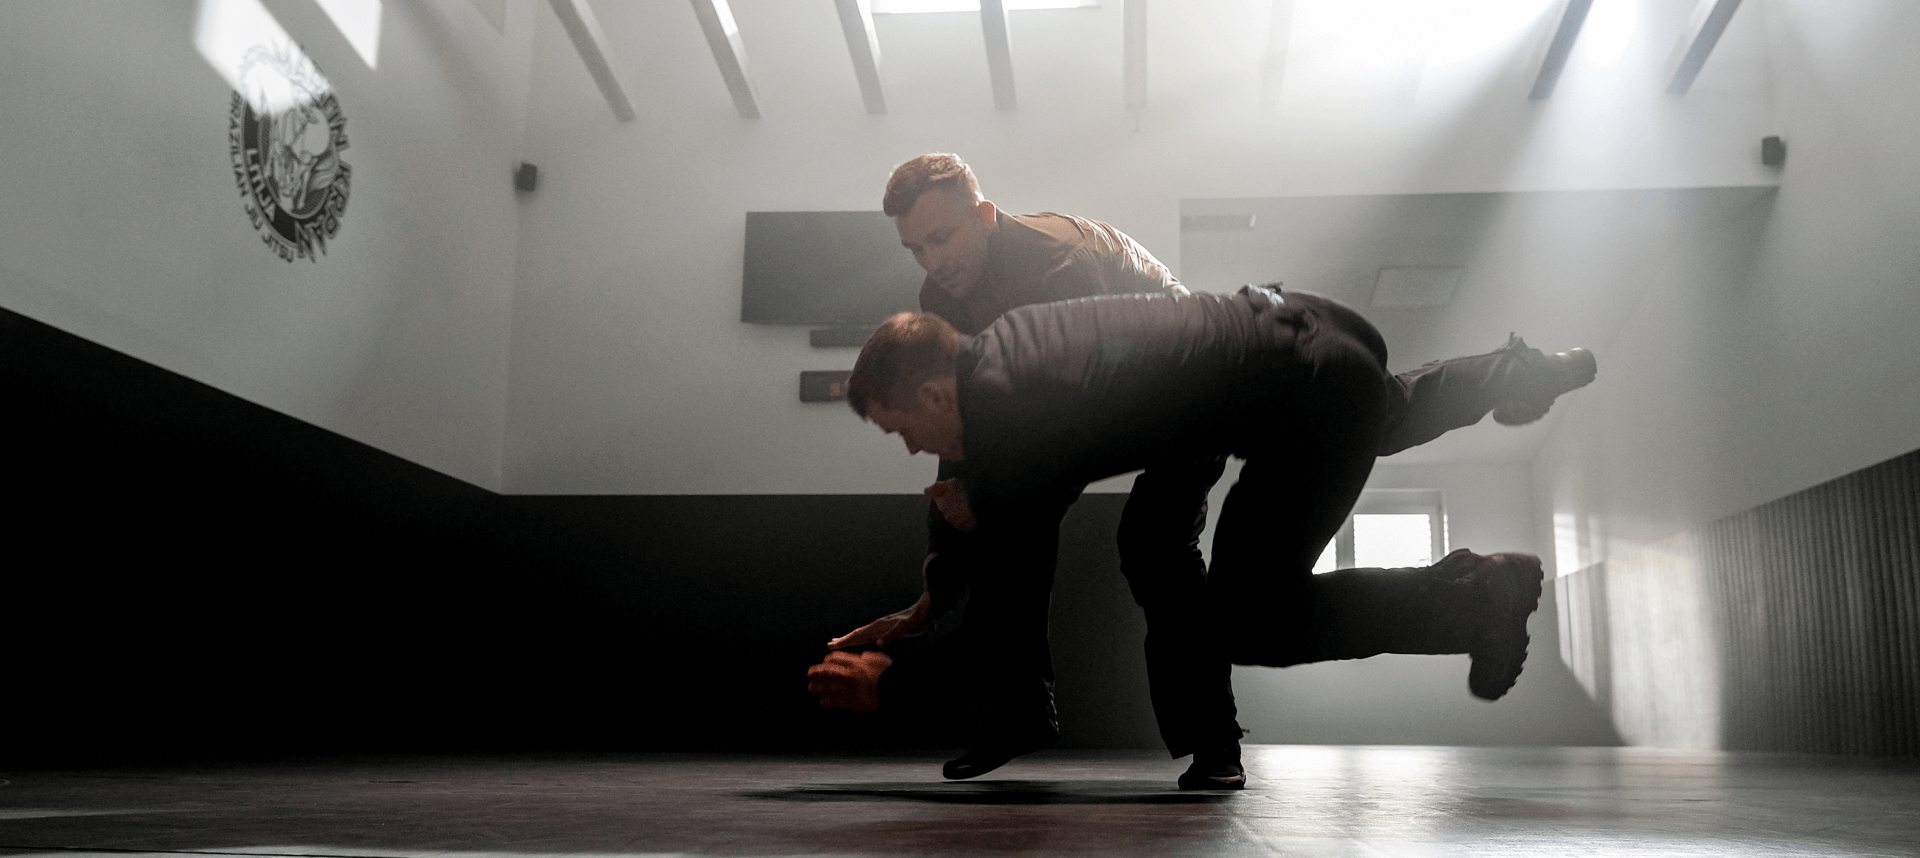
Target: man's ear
point(986, 211)
point(937, 396)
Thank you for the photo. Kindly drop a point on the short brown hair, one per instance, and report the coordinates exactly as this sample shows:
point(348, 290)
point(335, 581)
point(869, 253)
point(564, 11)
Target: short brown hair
point(907, 351)
point(938, 171)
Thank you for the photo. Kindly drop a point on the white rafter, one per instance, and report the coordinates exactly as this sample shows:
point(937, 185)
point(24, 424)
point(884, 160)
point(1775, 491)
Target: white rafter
point(1555, 62)
point(723, 36)
point(1709, 21)
point(856, 20)
point(588, 39)
point(993, 25)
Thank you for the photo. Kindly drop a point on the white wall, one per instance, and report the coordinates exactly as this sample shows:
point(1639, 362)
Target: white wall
point(1736, 390)
point(120, 218)
point(630, 371)
point(1716, 398)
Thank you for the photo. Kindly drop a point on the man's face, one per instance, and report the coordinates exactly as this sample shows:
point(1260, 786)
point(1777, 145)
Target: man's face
point(928, 427)
point(947, 233)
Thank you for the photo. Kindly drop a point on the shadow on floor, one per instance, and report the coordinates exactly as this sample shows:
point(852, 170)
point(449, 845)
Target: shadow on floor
point(996, 792)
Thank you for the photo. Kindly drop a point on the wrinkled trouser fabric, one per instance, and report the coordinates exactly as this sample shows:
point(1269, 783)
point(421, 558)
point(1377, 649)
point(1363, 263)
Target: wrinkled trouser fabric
point(1260, 604)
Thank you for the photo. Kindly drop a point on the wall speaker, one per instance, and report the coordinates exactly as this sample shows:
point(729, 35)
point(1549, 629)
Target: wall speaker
point(526, 177)
point(1773, 151)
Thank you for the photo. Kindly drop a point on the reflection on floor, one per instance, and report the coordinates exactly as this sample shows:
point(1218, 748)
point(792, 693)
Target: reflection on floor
point(1304, 800)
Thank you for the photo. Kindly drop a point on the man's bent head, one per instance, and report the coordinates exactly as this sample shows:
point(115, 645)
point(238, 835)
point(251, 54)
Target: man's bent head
point(939, 171)
point(942, 220)
point(904, 383)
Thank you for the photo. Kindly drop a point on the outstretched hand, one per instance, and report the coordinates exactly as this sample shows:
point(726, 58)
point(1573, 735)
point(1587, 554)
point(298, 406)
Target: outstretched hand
point(892, 627)
point(848, 680)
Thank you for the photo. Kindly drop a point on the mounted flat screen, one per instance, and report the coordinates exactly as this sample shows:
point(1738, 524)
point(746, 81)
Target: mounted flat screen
point(826, 268)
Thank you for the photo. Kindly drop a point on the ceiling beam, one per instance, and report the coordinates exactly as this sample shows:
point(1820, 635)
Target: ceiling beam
point(856, 20)
point(1134, 54)
point(1560, 48)
point(723, 36)
point(1273, 72)
point(993, 25)
point(591, 42)
point(1709, 21)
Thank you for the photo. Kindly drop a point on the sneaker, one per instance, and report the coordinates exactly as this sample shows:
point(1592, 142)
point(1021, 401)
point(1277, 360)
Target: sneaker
point(1542, 378)
point(1217, 769)
point(997, 752)
point(1511, 583)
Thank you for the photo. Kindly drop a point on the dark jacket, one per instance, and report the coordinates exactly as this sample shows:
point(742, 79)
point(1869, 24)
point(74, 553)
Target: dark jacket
point(1055, 396)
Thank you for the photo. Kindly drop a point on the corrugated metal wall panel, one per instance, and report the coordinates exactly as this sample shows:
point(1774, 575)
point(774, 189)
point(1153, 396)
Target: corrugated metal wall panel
point(1793, 626)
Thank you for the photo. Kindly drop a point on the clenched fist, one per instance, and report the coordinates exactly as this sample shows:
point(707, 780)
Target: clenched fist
point(952, 503)
point(848, 680)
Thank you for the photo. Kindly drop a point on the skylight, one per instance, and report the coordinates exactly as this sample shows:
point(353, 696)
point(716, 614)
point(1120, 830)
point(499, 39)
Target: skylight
point(903, 6)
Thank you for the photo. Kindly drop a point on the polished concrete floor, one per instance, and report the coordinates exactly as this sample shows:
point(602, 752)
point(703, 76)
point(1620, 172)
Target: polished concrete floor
point(1304, 800)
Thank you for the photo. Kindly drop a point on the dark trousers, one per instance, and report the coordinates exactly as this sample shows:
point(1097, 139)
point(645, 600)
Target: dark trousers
point(1260, 603)
point(1296, 490)
point(1191, 686)
point(1295, 501)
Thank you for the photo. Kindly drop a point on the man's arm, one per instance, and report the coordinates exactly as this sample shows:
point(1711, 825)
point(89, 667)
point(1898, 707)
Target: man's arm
point(949, 520)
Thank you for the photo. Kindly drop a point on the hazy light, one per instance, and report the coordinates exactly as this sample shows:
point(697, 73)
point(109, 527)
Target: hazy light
point(1604, 37)
point(359, 21)
point(1388, 32)
point(1343, 49)
point(1566, 543)
point(234, 35)
point(1388, 541)
point(901, 6)
point(725, 11)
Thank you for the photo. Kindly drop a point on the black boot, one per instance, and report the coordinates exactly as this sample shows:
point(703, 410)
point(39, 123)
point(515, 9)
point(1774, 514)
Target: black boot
point(1463, 604)
point(1000, 746)
point(1511, 587)
point(1218, 768)
point(1538, 379)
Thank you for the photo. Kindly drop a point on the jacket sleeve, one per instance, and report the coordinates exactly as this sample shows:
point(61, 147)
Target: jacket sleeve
point(947, 550)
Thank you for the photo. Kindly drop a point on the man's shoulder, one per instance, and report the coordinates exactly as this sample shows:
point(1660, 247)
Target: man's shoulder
point(1058, 227)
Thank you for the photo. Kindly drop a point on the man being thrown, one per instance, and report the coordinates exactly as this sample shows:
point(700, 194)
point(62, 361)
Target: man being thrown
point(1051, 397)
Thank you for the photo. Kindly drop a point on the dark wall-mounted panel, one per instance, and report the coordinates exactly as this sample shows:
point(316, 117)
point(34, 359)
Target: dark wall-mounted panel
point(825, 268)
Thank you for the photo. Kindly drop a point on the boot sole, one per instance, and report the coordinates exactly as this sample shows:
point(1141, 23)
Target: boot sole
point(979, 761)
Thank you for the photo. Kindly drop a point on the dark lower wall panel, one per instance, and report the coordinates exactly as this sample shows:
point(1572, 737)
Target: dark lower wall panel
point(190, 575)
point(1793, 626)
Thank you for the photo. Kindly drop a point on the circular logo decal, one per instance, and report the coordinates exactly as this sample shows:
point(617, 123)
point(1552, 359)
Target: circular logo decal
point(285, 139)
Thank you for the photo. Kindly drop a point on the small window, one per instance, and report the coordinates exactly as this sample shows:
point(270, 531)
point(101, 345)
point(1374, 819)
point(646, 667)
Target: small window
point(1389, 528)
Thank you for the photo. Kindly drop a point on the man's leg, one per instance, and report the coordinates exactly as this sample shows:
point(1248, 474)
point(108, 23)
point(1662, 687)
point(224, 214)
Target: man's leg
point(1465, 603)
point(1005, 630)
point(1514, 382)
point(1191, 685)
point(1285, 615)
point(1278, 517)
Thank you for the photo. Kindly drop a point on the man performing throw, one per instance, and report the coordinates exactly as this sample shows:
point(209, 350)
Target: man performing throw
point(1054, 396)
